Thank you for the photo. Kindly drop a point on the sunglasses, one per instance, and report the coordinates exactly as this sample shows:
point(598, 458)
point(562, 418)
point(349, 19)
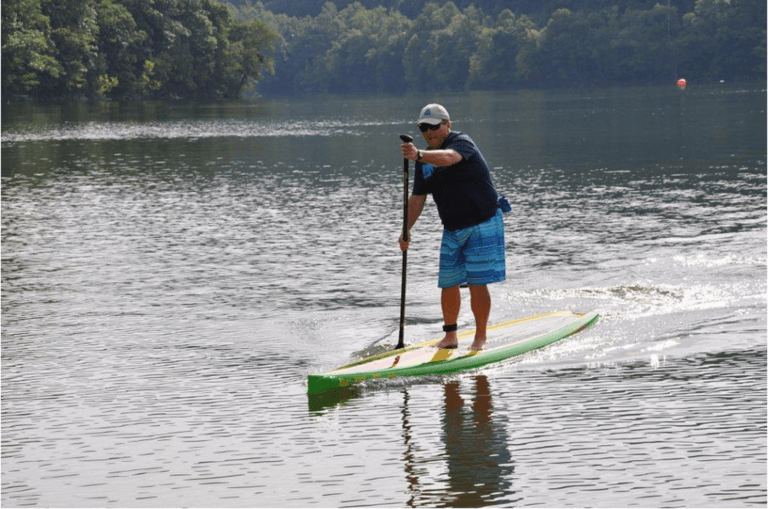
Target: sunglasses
point(429, 127)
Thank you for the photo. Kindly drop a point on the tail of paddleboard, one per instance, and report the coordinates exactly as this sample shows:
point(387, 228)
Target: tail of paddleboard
point(505, 340)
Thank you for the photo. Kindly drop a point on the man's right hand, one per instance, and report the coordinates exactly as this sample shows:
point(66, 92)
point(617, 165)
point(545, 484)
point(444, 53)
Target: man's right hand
point(409, 151)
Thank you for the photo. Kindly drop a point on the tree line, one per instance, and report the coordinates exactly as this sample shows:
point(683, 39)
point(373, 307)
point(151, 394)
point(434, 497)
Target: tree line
point(364, 47)
point(204, 49)
point(538, 10)
point(123, 49)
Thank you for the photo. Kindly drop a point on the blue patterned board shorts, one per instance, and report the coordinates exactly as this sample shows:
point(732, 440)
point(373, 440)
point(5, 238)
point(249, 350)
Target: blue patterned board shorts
point(473, 255)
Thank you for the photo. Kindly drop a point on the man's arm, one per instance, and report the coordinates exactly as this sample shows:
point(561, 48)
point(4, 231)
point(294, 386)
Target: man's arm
point(415, 207)
point(438, 158)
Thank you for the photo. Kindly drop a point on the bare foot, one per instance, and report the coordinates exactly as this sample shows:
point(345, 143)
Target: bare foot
point(449, 341)
point(478, 344)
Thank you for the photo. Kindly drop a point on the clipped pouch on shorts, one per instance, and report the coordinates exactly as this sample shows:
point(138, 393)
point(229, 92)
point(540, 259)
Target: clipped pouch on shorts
point(504, 205)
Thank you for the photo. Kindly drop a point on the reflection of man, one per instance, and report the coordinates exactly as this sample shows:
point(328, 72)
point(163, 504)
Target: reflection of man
point(479, 463)
point(457, 176)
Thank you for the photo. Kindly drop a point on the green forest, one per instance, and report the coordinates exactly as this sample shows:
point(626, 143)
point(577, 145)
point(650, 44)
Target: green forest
point(130, 49)
point(204, 49)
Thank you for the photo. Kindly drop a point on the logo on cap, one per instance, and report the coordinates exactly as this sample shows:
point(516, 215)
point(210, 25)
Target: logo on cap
point(427, 113)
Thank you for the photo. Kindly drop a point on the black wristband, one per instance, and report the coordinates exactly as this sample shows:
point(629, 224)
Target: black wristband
point(450, 328)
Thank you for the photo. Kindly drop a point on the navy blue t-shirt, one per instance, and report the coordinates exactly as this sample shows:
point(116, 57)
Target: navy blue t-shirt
point(464, 192)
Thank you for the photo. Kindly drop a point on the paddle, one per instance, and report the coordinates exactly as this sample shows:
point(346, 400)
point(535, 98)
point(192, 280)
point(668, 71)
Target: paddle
point(400, 342)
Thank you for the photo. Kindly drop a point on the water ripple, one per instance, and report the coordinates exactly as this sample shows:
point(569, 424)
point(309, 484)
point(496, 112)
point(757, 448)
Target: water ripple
point(187, 130)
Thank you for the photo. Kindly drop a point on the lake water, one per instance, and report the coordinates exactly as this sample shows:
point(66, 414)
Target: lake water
point(172, 272)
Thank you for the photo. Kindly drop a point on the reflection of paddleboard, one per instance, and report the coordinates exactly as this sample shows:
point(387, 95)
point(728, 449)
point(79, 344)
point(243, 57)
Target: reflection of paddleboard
point(505, 340)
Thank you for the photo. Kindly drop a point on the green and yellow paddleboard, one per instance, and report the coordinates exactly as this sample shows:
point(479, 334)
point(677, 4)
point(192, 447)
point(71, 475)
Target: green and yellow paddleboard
point(505, 340)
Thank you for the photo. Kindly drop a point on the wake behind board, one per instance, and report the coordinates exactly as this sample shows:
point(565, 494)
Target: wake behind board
point(505, 340)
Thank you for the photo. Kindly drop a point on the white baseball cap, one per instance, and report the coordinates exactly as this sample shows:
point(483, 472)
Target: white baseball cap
point(433, 114)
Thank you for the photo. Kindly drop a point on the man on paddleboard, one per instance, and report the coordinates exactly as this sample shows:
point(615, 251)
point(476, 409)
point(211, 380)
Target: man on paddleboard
point(455, 173)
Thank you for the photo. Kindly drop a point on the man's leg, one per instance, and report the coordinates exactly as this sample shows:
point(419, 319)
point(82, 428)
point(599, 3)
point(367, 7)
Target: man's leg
point(481, 308)
point(484, 256)
point(451, 302)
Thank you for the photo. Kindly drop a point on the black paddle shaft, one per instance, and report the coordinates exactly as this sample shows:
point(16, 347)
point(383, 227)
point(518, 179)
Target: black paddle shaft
point(406, 139)
point(400, 341)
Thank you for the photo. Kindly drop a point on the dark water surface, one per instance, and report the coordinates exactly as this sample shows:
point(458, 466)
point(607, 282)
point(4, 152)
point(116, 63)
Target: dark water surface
point(172, 273)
